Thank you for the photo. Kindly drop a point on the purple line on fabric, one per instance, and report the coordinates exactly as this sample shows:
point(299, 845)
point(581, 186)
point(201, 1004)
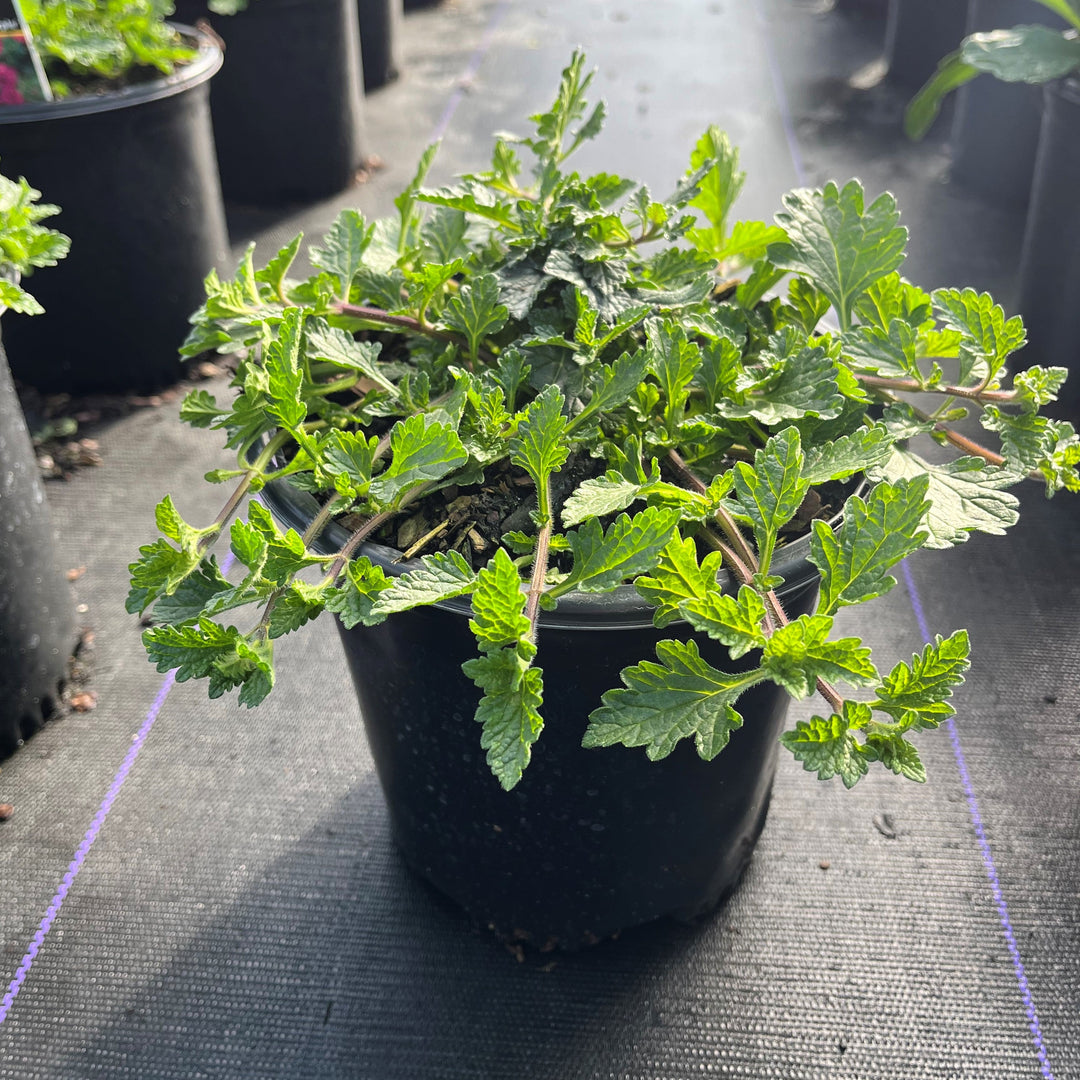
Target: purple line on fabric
point(91, 835)
point(471, 70)
point(984, 847)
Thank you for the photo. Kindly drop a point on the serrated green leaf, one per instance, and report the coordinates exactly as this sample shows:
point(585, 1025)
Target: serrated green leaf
point(335, 346)
point(890, 352)
point(439, 576)
point(540, 447)
point(192, 594)
point(630, 546)
point(342, 253)
point(674, 361)
point(677, 577)
point(508, 711)
point(987, 337)
point(717, 188)
point(474, 200)
point(273, 274)
point(299, 604)
point(918, 693)
point(771, 491)
point(892, 297)
point(199, 409)
point(965, 496)
point(733, 621)
point(284, 378)
point(476, 312)
point(498, 602)
point(840, 246)
point(805, 385)
point(349, 455)
point(748, 242)
point(159, 571)
point(249, 545)
point(353, 599)
point(828, 748)
point(800, 653)
point(423, 451)
point(598, 497)
point(847, 455)
point(896, 754)
point(613, 386)
point(876, 534)
point(662, 703)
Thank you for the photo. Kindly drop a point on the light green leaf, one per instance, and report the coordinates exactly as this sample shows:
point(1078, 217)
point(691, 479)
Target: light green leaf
point(299, 604)
point(717, 188)
point(335, 346)
point(747, 243)
point(674, 361)
point(598, 497)
point(423, 451)
point(847, 455)
point(540, 447)
point(828, 747)
point(965, 496)
point(662, 703)
point(353, 600)
point(439, 576)
point(199, 409)
point(613, 386)
point(249, 545)
point(677, 578)
point(896, 754)
point(876, 534)
point(351, 456)
point(840, 246)
point(284, 376)
point(497, 603)
point(344, 246)
point(273, 274)
point(630, 546)
point(805, 386)
point(192, 594)
point(508, 711)
point(476, 312)
point(917, 694)
point(800, 653)
point(735, 622)
point(987, 338)
point(772, 490)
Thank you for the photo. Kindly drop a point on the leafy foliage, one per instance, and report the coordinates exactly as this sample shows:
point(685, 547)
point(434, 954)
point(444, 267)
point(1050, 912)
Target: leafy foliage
point(522, 334)
point(25, 244)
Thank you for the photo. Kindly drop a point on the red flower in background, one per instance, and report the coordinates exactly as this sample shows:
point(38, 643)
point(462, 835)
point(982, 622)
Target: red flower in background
point(9, 86)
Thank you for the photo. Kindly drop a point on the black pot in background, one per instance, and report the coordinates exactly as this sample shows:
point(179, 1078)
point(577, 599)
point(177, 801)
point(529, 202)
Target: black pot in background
point(37, 633)
point(380, 34)
point(135, 175)
point(288, 104)
point(590, 841)
point(1049, 292)
point(918, 34)
point(995, 132)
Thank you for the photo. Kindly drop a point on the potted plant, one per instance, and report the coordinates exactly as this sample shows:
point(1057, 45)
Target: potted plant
point(556, 472)
point(1049, 262)
point(127, 149)
point(293, 65)
point(36, 619)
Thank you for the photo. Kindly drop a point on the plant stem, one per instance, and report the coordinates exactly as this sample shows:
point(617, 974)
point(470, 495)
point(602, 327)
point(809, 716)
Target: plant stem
point(882, 382)
point(536, 582)
point(208, 539)
point(407, 322)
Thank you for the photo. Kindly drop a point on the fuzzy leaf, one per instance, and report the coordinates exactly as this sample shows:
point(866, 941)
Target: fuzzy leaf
point(917, 693)
point(847, 455)
point(828, 747)
point(299, 604)
point(598, 497)
point(987, 337)
point(614, 386)
point(344, 246)
point(192, 594)
point(539, 446)
point(497, 604)
point(735, 622)
point(423, 452)
point(896, 754)
point(336, 346)
point(876, 534)
point(630, 546)
point(438, 577)
point(840, 246)
point(508, 711)
point(273, 274)
point(199, 409)
point(284, 376)
point(677, 578)
point(800, 653)
point(805, 386)
point(353, 600)
point(663, 703)
point(476, 312)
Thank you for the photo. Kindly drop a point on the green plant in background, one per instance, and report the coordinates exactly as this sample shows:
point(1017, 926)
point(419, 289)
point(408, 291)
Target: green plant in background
point(24, 243)
point(1031, 54)
point(658, 417)
point(83, 40)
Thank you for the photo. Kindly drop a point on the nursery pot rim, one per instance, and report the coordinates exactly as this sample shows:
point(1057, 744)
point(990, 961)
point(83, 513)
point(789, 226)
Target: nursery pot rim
point(205, 65)
point(623, 608)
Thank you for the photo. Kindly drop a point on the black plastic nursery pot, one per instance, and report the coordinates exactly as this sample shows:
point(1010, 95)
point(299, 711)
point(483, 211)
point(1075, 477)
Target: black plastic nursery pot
point(590, 842)
point(288, 104)
point(1050, 261)
point(135, 175)
point(995, 132)
point(918, 33)
point(380, 31)
point(37, 632)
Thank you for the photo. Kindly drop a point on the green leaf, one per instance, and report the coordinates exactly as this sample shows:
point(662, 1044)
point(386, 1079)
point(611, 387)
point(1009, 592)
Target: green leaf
point(717, 189)
point(508, 711)
point(285, 379)
point(896, 754)
point(335, 346)
point(828, 747)
point(1030, 54)
point(674, 361)
point(735, 622)
point(847, 455)
point(662, 703)
point(951, 73)
point(474, 200)
point(249, 545)
point(348, 458)
point(199, 409)
point(876, 534)
point(344, 246)
point(553, 126)
point(408, 216)
point(191, 649)
point(805, 386)
point(965, 496)
point(192, 594)
point(476, 312)
point(598, 497)
point(353, 600)
point(800, 653)
point(630, 546)
point(917, 694)
point(840, 246)
point(677, 578)
point(423, 451)
point(987, 338)
point(771, 491)
point(613, 386)
point(299, 604)
point(540, 446)
point(439, 576)
point(498, 602)
point(273, 274)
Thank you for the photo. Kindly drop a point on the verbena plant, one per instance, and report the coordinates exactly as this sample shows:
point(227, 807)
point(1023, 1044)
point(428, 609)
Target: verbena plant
point(526, 330)
point(1031, 54)
point(86, 41)
point(25, 244)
